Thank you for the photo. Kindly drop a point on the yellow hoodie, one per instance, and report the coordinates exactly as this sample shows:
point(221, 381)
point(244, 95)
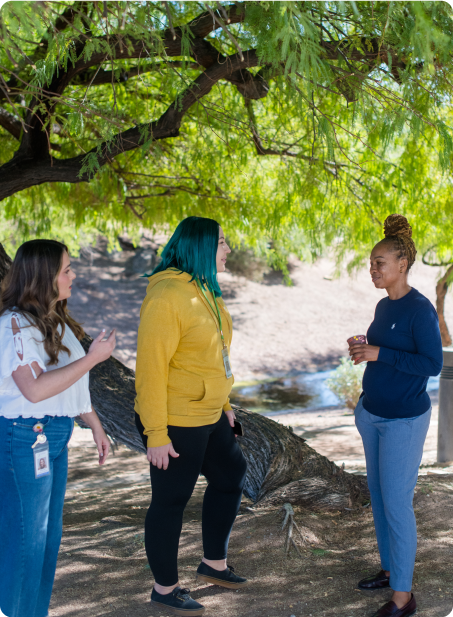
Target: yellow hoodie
point(180, 375)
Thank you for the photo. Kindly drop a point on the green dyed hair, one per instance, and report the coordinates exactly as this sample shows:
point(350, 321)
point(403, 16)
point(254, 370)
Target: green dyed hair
point(193, 249)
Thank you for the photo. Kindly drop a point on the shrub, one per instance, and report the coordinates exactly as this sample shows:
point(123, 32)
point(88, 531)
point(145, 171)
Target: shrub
point(346, 382)
point(245, 262)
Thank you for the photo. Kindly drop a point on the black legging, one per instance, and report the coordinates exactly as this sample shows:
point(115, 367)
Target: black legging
point(212, 451)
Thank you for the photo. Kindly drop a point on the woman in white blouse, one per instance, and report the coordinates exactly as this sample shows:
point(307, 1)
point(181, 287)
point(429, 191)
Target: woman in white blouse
point(43, 386)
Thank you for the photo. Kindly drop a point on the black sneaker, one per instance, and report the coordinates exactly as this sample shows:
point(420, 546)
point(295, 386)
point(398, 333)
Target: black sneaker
point(224, 578)
point(178, 602)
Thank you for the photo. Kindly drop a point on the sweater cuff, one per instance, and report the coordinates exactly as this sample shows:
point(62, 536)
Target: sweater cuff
point(158, 438)
point(227, 406)
point(387, 355)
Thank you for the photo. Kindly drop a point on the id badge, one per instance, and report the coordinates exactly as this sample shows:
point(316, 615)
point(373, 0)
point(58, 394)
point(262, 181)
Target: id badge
point(41, 458)
point(226, 363)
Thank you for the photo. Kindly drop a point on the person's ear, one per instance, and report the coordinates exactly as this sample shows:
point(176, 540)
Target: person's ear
point(403, 265)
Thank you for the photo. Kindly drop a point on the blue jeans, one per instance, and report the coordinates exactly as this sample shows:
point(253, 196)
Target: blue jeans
point(31, 514)
point(393, 452)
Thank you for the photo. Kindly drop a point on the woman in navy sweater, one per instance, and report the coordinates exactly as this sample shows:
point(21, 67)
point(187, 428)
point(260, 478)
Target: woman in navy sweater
point(404, 348)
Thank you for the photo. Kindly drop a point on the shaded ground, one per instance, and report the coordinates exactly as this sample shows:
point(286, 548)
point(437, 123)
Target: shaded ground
point(102, 568)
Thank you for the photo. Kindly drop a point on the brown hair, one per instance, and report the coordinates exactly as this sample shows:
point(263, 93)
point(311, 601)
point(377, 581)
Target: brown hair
point(398, 238)
point(30, 287)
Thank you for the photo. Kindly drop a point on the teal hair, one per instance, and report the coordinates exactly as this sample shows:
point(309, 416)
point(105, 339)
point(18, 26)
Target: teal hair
point(193, 249)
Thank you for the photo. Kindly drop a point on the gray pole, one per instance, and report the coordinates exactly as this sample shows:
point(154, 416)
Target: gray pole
point(445, 428)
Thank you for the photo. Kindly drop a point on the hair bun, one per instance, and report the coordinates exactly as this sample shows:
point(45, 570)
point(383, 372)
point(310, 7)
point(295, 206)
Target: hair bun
point(397, 225)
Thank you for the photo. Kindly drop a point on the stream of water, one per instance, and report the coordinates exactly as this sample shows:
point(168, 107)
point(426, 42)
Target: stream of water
point(291, 394)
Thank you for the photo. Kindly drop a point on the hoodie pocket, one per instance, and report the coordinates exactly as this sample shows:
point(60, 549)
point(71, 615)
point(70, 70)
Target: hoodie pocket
point(216, 391)
point(183, 391)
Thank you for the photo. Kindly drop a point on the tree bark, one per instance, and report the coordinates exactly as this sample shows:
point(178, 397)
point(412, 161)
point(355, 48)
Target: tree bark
point(441, 292)
point(281, 466)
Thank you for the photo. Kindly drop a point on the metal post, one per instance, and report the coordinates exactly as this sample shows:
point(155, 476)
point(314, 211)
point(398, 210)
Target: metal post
point(445, 427)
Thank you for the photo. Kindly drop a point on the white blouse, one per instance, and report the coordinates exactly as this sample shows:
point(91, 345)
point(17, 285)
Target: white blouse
point(28, 343)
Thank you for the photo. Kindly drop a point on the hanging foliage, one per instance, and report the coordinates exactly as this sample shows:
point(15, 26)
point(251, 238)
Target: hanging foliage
point(297, 124)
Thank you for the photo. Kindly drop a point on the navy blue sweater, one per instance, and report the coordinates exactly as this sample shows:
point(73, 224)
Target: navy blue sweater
point(407, 332)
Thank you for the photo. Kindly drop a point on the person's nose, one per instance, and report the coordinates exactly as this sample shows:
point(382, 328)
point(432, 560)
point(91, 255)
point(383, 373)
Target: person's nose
point(227, 249)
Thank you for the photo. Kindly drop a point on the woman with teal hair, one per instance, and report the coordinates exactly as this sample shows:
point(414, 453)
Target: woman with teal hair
point(183, 413)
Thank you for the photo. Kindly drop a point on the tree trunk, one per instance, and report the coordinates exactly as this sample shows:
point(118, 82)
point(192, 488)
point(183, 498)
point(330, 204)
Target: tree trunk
point(441, 292)
point(276, 457)
point(281, 466)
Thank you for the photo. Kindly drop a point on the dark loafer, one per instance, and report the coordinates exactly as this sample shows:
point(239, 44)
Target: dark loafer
point(177, 602)
point(391, 610)
point(224, 578)
point(378, 581)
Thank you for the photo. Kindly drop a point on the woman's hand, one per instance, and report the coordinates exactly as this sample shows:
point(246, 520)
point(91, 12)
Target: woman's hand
point(103, 444)
point(231, 417)
point(364, 353)
point(159, 456)
point(101, 350)
point(99, 436)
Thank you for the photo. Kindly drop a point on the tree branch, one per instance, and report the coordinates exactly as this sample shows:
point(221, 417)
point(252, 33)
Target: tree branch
point(19, 174)
point(216, 18)
point(10, 123)
point(441, 291)
point(427, 263)
point(13, 125)
point(35, 144)
point(260, 149)
point(105, 77)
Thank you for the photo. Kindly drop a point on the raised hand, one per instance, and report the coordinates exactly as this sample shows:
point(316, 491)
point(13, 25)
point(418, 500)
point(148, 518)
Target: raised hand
point(101, 349)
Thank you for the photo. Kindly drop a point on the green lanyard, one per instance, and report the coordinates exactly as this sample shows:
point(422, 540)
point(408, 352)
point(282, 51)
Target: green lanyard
point(212, 309)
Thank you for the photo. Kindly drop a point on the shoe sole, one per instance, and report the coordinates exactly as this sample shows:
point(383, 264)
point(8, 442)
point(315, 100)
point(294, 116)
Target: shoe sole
point(372, 588)
point(220, 582)
point(179, 611)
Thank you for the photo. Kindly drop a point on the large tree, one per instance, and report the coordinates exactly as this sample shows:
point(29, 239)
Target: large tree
point(304, 122)
point(298, 124)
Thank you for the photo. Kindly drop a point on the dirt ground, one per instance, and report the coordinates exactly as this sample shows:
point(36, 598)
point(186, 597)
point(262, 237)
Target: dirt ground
point(102, 568)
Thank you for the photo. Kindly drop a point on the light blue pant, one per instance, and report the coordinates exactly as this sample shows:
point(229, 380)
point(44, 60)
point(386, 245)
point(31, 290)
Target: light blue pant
point(393, 452)
point(31, 514)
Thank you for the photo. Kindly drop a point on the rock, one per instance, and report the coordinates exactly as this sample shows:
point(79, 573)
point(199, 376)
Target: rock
point(125, 243)
point(143, 262)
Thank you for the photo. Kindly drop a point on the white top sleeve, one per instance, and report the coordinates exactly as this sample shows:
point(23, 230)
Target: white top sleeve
point(25, 347)
point(21, 348)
